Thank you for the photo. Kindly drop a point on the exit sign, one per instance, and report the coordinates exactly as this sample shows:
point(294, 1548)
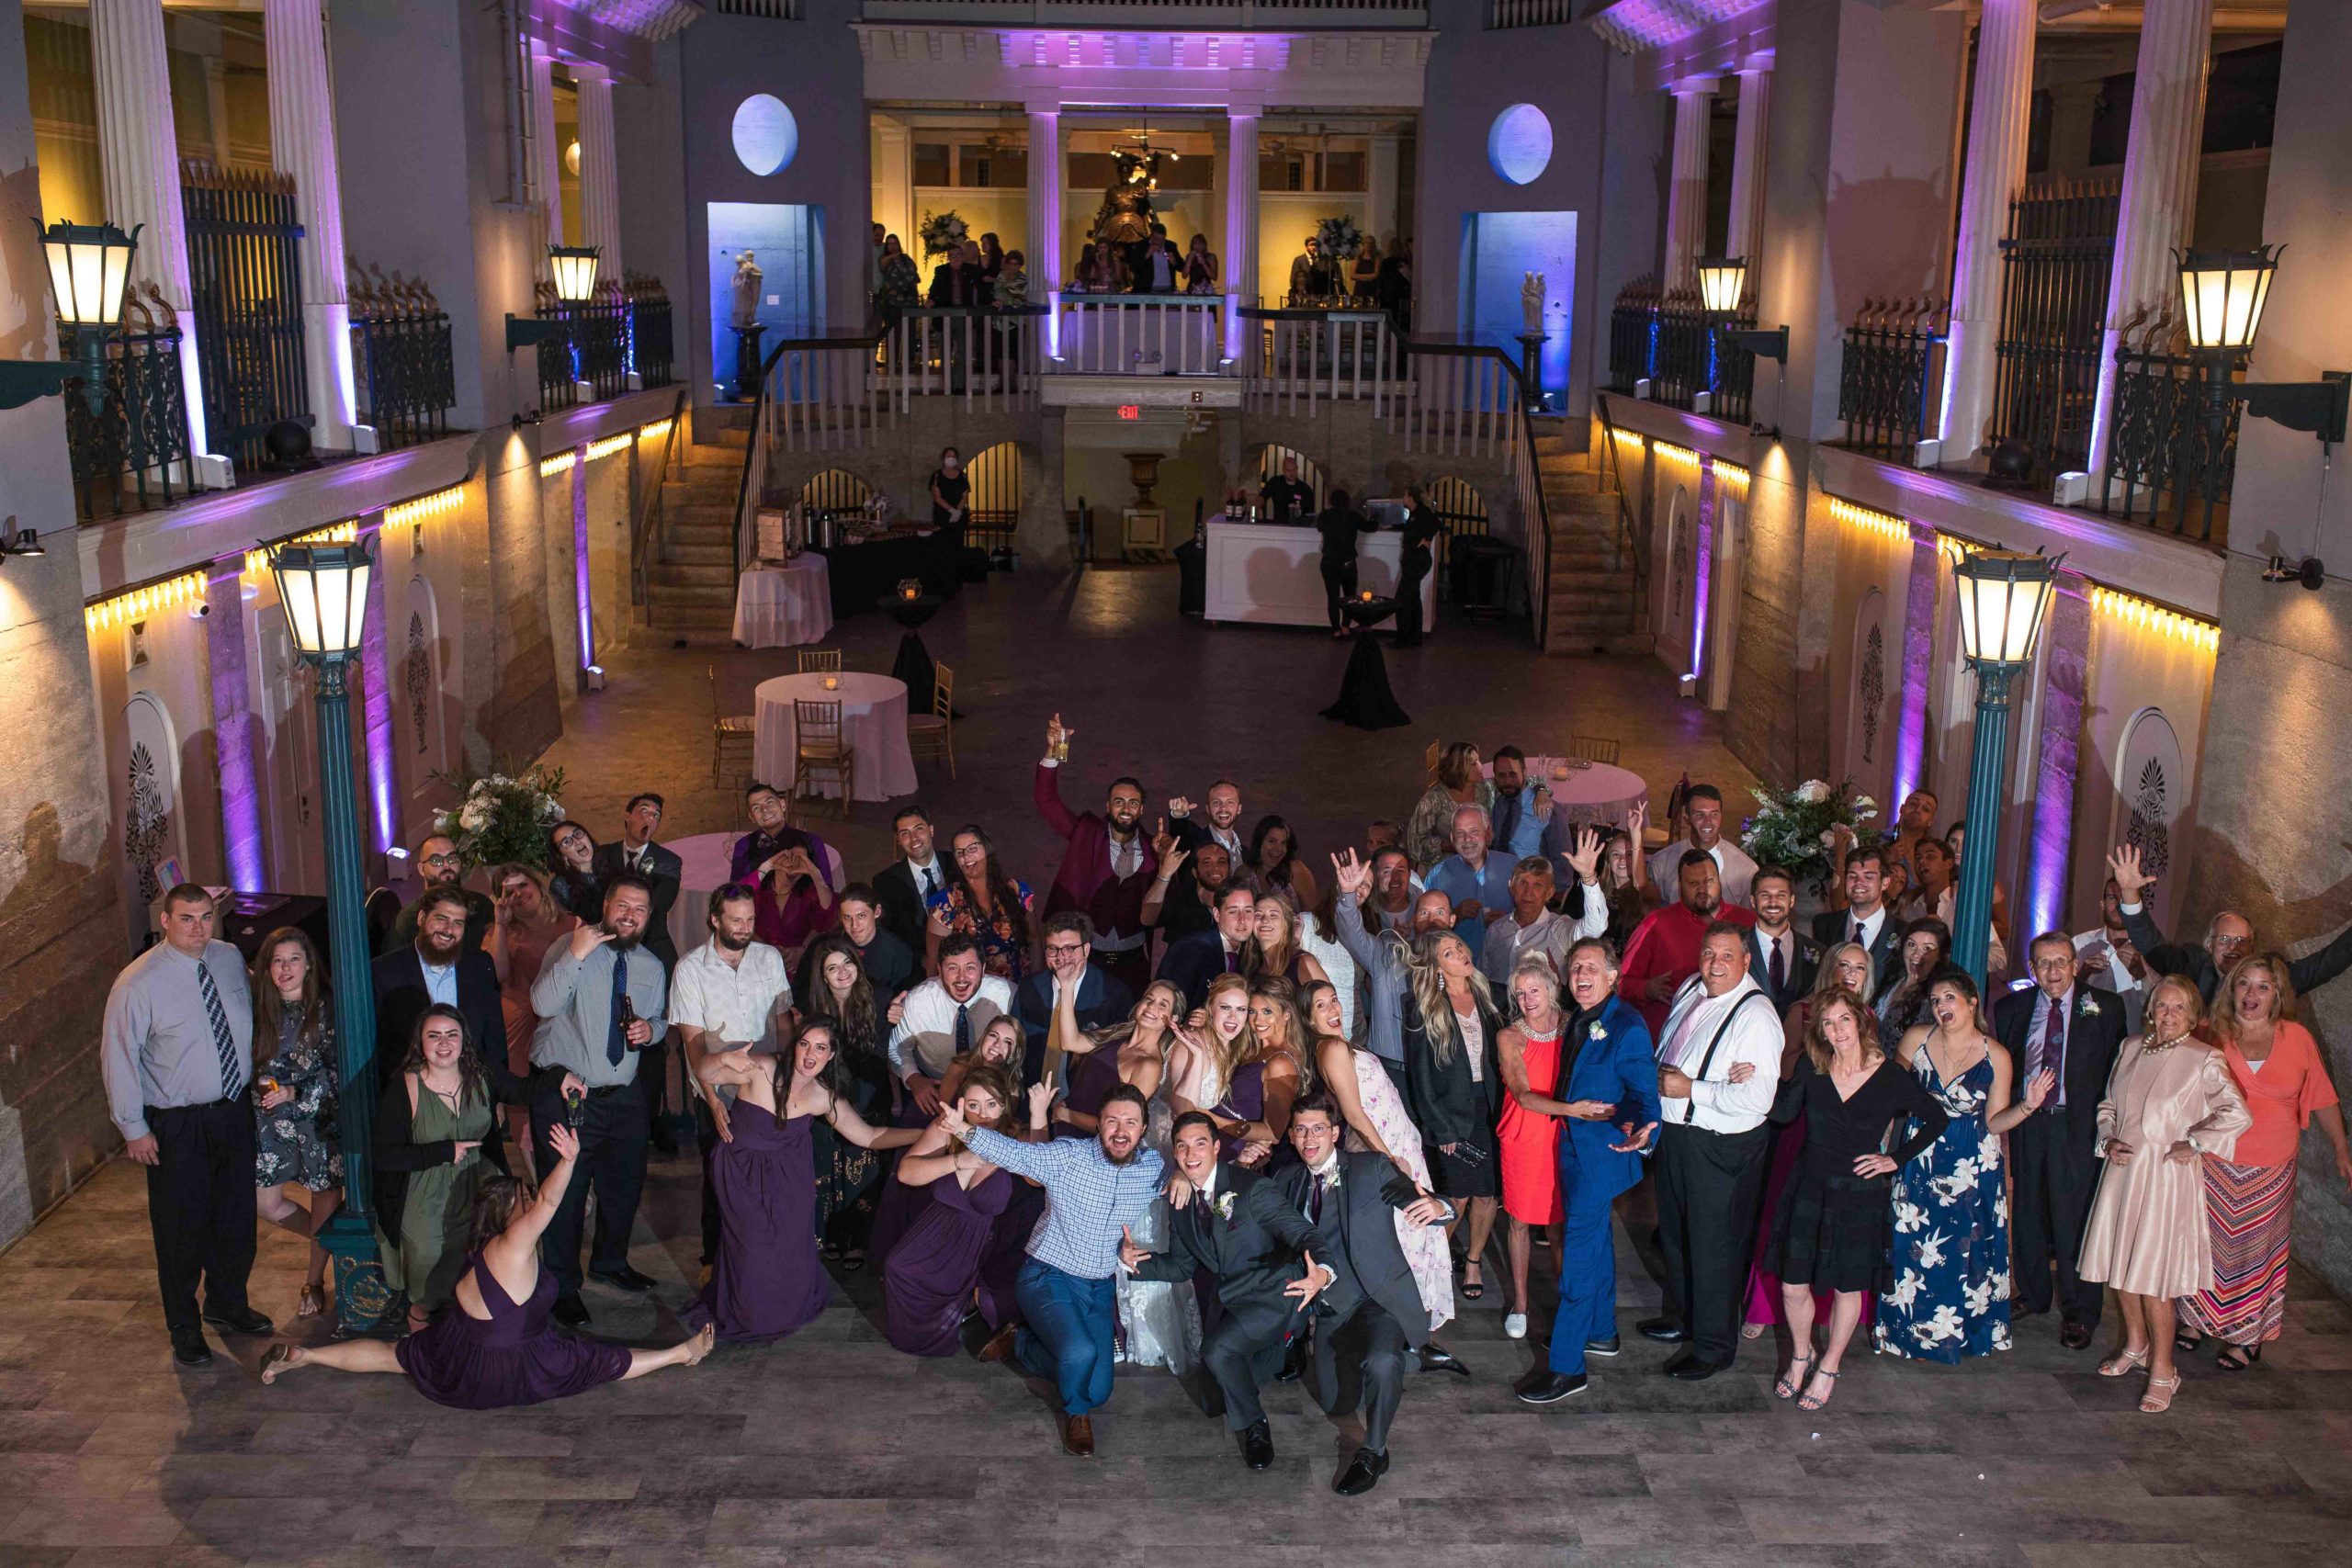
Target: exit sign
point(1130, 411)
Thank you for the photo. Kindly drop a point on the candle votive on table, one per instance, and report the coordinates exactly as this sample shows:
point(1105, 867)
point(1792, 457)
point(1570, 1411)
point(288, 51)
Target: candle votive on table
point(832, 682)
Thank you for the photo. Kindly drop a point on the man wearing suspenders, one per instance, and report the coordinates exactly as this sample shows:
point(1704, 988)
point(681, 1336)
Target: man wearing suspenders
point(1718, 1067)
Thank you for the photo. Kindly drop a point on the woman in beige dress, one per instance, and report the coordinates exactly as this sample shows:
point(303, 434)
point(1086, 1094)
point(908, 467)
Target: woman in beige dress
point(2170, 1099)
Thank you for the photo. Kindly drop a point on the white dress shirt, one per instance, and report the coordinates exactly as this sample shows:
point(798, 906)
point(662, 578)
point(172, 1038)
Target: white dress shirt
point(1551, 934)
point(931, 869)
point(1715, 1103)
point(1733, 866)
point(924, 1040)
point(735, 1004)
point(2118, 979)
point(1872, 924)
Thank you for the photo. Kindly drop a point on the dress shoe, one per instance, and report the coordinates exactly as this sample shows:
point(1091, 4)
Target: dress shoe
point(1544, 1386)
point(1294, 1361)
point(571, 1312)
point(2074, 1334)
point(1664, 1330)
point(237, 1320)
point(1688, 1368)
point(1609, 1347)
point(1078, 1437)
point(1257, 1442)
point(624, 1279)
point(190, 1349)
point(999, 1345)
point(1436, 1357)
point(1363, 1473)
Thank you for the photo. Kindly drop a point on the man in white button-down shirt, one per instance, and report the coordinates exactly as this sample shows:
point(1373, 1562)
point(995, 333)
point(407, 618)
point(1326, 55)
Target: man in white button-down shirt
point(1719, 1065)
point(727, 995)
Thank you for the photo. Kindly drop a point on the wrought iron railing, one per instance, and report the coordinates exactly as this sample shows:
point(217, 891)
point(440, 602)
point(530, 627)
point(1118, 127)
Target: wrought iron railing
point(1529, 12)
point(134, 452)
point(1633, 334)
point(2054, 267)
point(2162, 463)
point(403, 365)
point(651, 353)
point(246, 289)
point(1666, 338)
point(1891, 370)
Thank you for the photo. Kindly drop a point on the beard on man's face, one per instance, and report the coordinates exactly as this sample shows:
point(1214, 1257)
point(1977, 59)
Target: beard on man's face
point(734, 944)
point(623, 942)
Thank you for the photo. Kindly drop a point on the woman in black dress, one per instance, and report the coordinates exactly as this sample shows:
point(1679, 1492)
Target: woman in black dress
point(849, 1179)
point(1835, 1226)
point(950, 495)
point(1452, 1085)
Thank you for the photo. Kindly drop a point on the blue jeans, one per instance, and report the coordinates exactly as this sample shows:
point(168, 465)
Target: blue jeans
point(1588, 1271)
point(1066, 1327)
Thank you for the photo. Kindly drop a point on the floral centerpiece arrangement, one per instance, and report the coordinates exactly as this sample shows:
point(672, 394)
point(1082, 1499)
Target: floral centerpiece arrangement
point(1339, 237)
point(1796, 828)
point(942, 232)
point(500, 816)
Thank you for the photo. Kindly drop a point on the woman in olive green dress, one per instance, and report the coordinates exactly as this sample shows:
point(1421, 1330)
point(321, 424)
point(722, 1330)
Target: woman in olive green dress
point(436, 1134)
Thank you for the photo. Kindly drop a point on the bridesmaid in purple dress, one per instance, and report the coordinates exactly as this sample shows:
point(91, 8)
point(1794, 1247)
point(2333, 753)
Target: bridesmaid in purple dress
point(900, 1205)
point(929, 1281)
point(768, 1280)
point(492, 1347)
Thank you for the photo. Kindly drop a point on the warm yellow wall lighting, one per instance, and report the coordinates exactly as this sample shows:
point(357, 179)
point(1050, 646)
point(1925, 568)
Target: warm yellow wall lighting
point(1728, 472)
point(343, 533)
point(560, 462)
point(1885, 524)
point(425, 506)
point(1669, 452)
point(656, 431)
point(2148, 616)
point(136, 603)
point(609, 446)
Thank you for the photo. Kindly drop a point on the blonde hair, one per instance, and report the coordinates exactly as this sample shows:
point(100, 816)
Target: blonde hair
point(2189, 996)
point(536, 878)
point(2282, 999)
point(1228, 1055)
point(1825, 979)
point(1428, 990)
point(1284, 996)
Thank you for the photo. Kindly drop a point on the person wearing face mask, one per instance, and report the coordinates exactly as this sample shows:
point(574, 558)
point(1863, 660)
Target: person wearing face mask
point(2229, 937)
point(767, 1281)
point(1604, 1091)
point(1095, 1189)
point(601, 1000)
point(1107, 866)
point(951, 499)
point(728, 994)
point(438, 1132)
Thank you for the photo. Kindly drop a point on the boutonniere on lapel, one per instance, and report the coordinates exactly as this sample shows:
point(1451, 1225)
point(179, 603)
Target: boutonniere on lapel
point(1596, 1032)
point(2087, 1008)
point(1223, 1206)
point(1331, 1182)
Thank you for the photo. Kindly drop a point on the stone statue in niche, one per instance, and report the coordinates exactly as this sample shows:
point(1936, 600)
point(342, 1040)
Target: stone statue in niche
point(746, 289)
point(1531, 304)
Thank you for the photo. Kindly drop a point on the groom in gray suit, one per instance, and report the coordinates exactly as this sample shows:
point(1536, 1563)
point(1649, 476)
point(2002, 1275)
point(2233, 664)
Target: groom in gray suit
point(1372, 1300)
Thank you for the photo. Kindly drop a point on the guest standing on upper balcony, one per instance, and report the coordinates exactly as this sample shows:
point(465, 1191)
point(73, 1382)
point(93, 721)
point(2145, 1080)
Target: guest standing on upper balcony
point(1200, 267)
point(1310, 275)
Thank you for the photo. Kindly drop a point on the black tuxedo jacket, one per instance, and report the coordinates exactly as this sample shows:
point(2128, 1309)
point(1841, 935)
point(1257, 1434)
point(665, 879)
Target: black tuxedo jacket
point(1253, 1251)
point(401, 998)
point(2093, 1039)
point(1357, 1236)
point(1804, 964)
point(1192, 962)
point(1829, 928)
point(665, 870)
point(902, 911)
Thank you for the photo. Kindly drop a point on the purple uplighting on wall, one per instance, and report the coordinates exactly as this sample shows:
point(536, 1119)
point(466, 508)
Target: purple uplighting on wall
point(234, 730)
point(2065, 661)
point(580, 556)
point(376, 699)
point(1703, 551)
point(1918, 648)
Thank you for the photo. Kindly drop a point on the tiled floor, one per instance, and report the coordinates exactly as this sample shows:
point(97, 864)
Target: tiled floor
point(831, 1448)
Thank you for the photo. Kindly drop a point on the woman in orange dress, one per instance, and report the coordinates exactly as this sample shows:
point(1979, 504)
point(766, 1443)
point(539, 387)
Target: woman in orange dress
point(1528, 1142)
point(2250, 1197)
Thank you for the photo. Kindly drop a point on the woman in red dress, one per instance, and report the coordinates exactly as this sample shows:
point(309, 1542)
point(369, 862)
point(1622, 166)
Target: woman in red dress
point(1528, 1142)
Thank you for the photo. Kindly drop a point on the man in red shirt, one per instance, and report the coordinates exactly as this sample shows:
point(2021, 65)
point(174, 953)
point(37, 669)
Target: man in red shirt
point(1107, 866)
point(1663, 952)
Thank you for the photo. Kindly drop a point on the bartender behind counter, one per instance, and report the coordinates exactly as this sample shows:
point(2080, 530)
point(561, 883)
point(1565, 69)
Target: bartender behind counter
point(1286, 498)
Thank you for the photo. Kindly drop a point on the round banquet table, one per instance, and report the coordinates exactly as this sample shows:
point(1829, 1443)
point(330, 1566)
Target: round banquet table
point(874, 723)
point(1598, 793)
point(704, 870)
point(776, 606)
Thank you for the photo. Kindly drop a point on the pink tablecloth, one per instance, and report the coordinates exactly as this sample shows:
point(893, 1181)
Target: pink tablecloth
point(777, 606)
point(873, 722)
point(1602, 794)
point(704, 870)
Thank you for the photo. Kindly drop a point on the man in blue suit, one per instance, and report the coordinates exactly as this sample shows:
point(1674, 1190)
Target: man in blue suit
point(1607, 1100)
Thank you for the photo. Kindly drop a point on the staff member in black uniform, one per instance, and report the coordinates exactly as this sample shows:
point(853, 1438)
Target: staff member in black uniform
point(1339, 524)
point(1415, 557)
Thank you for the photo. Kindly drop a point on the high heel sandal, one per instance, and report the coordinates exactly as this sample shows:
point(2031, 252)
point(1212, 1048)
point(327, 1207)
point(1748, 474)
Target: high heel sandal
point(2158, 1399)
point(2123, 1363)
point(1811, 1403)
point(1789, 1385)
point(2188, 1341)
point(2237, 1357)
point(276, 1360)
point(1752, 1330)
point(1473, 1289)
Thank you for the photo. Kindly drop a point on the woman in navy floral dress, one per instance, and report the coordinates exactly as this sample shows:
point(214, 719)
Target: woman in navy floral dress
point(296, 1140)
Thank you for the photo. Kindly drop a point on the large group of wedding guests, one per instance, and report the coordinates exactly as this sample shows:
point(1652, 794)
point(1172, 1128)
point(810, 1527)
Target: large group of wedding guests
point(1205, 1101)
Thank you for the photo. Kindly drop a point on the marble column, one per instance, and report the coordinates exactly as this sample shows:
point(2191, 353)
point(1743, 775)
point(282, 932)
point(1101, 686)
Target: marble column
point(547, 169)
point(1686, 197)
point(1747, 166)
point(600, 186)
point(139, 152)
point(302, 145)
point(1241, 279)
point(1998, 115)
point(2159, 203)
point(2065, 690)
point(1045, 274)
point(1380, 171)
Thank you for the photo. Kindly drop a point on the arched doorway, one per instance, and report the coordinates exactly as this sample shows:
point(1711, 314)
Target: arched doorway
point(837, 490)
point(1463, 509)
point(1270, 463)
point(996, 497)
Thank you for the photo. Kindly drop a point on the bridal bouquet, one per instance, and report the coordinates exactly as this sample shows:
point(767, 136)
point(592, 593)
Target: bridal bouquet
point(499, 818)
point(1796, 828)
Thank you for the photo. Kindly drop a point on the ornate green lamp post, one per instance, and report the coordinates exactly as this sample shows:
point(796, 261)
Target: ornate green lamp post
point(2004, 598)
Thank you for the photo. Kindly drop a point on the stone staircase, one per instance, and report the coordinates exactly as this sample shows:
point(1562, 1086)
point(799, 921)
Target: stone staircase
point(1595, 600)
point(690, 584)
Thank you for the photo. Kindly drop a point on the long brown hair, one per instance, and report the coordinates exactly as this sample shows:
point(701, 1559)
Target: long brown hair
point(1455, 769)
point(1817, 1043)
point(1010, 1110)
point(1254, 960)
point(269, 1007)
point(470, 1080)
point(496, 1202)
point(1285, 996)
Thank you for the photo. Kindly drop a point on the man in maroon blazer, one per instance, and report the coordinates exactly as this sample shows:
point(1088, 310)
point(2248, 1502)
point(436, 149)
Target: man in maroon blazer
point(1107, 865)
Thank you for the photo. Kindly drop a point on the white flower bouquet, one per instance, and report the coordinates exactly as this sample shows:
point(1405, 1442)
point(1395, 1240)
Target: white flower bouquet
point(1796, 828)
point(500, 816)
point(1339, 237)
point(943, 231)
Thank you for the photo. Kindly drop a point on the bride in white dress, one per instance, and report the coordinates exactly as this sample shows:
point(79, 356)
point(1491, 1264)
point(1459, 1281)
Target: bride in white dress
point(1159, 1323)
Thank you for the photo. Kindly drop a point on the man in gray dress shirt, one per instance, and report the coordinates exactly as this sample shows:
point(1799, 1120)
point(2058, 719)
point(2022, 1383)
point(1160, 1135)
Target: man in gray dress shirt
point(177, 1054)
point(601, 999)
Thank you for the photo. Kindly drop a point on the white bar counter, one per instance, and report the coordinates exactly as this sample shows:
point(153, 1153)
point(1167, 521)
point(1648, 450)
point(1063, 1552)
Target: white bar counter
point(1272, 573)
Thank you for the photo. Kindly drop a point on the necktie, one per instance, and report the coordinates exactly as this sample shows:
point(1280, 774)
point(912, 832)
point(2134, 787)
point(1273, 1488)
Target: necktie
point(1315, 1201)
point(2054, 1051)
point(617, 1039)
point(1506, 820)
point(233, 1076)
point(1780, 967)
point(963, 1028)
point(1858, 934)
point(930, 883)
point(1232, 960)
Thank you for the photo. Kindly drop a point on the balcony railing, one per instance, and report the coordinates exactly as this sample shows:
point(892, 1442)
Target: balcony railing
point(2161, 461)
point(623, 334)
point(246, 288)
point(1530, 13)
point(1666, 338)
point(1139, 335)
point(1191, 13)
point(133, 452)
point(401, 359)
point(2054, 266)
point(1890, 375)
point(651, 353)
